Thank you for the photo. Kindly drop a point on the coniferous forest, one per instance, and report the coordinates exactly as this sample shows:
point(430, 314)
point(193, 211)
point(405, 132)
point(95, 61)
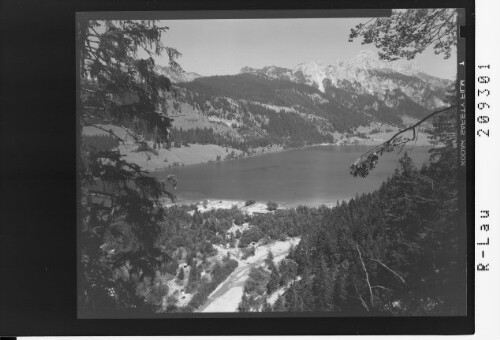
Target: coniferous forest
point(395, 251)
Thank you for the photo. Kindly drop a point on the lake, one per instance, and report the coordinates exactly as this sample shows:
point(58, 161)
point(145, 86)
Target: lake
point(310, 176)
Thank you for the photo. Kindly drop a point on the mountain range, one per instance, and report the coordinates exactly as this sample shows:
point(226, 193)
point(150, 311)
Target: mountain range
point(365, 74)
point(309, 103)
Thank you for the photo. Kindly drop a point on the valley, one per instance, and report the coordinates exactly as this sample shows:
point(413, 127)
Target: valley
point(359, 102)
point(268, 182)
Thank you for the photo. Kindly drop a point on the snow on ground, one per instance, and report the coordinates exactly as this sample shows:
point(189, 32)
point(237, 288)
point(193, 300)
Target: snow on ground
point(235, 228)
point(222, 252)
point(256, 208)
point(278, 259)
point(173, 287)
point(183, 299)
point(279, 248)
point(207, 205)
point(227, 296)
point(274, 296)
point(228, 304)
point(280, 291)
point(176, 288)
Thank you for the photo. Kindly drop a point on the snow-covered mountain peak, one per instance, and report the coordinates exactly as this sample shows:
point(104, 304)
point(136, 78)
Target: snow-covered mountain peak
point(314, 73)
point(365, 74)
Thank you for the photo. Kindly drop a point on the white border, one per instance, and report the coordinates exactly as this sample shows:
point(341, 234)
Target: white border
point(488, 172)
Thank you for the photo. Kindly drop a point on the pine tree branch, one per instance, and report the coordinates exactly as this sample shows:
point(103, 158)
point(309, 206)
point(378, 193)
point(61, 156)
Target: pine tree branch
point(108, 131)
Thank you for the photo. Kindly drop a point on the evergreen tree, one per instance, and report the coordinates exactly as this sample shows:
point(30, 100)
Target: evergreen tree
point(118, 86)
point(181, 274)
point(192, 279)
point(406, 33)
point(279, 305)
point(270, 260)
point(322, 284)
point(274, 280)
point(267, 307)
point(244, 305)
point(294, 302)
point(287, 270)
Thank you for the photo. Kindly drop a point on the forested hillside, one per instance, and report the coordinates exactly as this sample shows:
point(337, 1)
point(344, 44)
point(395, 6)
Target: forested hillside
point(286, 108)
point(309, 104)
point(395, 250)
point(264, 111)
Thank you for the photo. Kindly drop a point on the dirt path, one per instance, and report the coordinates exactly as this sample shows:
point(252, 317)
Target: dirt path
point(227, 296)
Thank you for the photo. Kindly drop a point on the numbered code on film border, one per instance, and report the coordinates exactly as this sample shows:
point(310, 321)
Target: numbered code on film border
point(487, 167)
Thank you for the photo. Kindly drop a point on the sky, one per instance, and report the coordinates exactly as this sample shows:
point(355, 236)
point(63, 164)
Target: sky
point(224, 46)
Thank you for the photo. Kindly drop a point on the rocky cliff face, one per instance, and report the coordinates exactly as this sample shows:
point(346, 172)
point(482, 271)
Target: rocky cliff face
point(366, 75)
point(175, 76)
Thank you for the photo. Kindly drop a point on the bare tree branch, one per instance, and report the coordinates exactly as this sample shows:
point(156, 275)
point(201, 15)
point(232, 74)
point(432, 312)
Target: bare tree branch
point(369, 159)
point(412, 127)
point(438, 29)
point(366, 273)
point(410, 245)
point(363, 303)
point(389, 269)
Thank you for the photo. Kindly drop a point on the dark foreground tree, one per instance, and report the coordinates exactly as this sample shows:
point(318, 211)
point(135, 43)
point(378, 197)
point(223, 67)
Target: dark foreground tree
point(395, 250)
point(118, 199)
point(405, 34)
point(408, 32)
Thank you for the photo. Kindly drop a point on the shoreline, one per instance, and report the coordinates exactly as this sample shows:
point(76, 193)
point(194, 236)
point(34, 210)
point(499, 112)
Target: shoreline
point(259, 207)
point(259, 154)
point(195, 154)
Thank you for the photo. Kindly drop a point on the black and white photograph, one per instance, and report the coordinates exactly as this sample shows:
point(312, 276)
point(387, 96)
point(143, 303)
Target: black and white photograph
point(270, 166)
